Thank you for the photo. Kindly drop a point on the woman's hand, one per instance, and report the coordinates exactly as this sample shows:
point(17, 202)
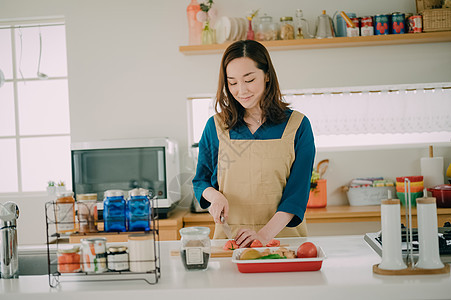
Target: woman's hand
point(219, 204)
point(245, 237)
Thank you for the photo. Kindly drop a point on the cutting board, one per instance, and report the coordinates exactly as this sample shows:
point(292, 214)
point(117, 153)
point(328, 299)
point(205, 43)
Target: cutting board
point(216, 251)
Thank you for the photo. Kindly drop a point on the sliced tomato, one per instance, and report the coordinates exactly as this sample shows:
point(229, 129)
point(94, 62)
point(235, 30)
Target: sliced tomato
point(230, 245)
point(256, 243)
point(273, 243)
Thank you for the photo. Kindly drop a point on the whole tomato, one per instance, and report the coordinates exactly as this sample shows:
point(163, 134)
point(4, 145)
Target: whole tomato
point(307, 250)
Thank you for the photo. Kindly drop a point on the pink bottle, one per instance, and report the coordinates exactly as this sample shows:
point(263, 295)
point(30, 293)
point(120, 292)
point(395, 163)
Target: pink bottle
point(250, 31)
point(194, 26)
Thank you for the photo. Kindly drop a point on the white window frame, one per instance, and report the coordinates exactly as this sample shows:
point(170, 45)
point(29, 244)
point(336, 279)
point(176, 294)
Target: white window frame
point(345, 142)
point(14, 25)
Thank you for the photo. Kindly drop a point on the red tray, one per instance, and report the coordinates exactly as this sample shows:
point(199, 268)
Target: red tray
point(278, 265)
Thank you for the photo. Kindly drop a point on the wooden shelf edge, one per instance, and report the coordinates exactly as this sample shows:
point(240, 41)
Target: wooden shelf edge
point(338, 42)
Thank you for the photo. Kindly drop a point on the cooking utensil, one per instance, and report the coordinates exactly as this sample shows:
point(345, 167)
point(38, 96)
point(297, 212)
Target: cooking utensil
point(40, 75)
point(322, 167)
point(226, 228)
point(443, 194)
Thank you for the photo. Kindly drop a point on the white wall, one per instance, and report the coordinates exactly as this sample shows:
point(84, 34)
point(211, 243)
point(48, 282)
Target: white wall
point(127, 78)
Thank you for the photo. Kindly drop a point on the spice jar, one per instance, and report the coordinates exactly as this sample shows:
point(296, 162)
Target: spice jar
point(65, 212)
point(195, 247)
point(266, 29)
point(87, 212)
point(141, 252)
point(94, 255)
point(286, 28)
point(138, 210)
point(117, 258)
point(69, 259)
point(114, 211)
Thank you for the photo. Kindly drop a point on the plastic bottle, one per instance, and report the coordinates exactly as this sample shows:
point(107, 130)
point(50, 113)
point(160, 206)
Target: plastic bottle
point(138, 210)
point(194, 26)
point(114, 211)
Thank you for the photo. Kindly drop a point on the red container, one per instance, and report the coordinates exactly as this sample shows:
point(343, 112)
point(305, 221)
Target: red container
point(443, 194)
point(318, 196)
point(278, 265)
point(411, 178)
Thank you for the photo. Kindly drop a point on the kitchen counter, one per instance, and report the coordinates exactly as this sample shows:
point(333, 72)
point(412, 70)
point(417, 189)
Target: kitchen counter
point(346, 274)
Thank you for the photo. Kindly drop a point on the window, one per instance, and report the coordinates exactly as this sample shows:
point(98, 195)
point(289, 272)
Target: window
point(34, 110)
point(361, 117)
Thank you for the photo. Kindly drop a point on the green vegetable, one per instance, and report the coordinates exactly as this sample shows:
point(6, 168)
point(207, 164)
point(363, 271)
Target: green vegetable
point(272, 256)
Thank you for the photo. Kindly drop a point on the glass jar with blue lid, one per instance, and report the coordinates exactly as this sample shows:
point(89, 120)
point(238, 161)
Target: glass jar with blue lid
point(138, 210)
point(114, 211)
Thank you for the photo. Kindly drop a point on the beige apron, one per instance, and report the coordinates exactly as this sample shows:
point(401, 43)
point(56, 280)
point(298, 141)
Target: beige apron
point(252, 175)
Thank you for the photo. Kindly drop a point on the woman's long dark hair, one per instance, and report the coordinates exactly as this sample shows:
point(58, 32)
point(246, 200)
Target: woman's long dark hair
point(271, 104)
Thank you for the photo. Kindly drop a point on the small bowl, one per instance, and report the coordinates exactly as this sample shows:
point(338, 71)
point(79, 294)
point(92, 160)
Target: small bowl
point(413, 198)
point(413, 189)
point(411, 178)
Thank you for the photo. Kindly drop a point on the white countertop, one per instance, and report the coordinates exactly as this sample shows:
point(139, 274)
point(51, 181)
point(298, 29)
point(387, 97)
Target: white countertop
point(346, 273)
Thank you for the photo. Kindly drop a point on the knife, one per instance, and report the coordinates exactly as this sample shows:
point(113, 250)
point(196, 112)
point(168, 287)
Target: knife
point(226, 228)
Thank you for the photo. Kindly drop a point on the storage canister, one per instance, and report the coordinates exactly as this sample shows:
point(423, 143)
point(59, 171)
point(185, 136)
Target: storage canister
point(87, 212)
point(114, 211)
point(266, 29)
point(141, 252)
point(69, 259)
point(196, 247)
point(138, 210)
point(65, 212)
point(117, 258)
point(286, 28)
point(94, 255)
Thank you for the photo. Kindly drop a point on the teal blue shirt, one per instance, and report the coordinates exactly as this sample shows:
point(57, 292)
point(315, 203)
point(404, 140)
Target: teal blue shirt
point(295, 195)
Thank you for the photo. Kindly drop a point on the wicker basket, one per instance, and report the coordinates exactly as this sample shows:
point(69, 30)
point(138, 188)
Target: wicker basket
point(434, 17)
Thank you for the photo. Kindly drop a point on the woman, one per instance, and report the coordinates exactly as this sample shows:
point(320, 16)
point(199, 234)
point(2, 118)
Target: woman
point(255, 155)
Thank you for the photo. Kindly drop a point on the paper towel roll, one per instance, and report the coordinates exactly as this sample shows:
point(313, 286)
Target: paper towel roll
point(432, 171)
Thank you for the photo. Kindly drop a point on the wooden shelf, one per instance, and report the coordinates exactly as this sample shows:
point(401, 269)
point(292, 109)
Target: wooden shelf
point(330, 214)
point(338, 42)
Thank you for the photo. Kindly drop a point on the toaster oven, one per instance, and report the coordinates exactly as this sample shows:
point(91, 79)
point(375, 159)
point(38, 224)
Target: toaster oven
point(151, 163)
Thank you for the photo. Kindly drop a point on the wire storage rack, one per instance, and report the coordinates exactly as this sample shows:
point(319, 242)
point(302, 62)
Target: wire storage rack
point(81, 268)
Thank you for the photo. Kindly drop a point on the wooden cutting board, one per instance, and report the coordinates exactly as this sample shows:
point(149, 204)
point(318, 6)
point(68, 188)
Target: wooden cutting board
point(218, 251)
point(215, 252)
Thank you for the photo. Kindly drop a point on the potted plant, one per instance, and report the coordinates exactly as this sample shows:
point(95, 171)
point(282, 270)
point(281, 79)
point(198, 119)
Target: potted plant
point(61, 187)
point(51, 189)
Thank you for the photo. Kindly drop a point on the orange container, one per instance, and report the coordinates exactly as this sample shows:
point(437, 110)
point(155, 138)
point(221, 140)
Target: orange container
point(318, 196)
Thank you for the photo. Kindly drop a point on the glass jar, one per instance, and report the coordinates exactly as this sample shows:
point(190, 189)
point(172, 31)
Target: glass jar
point(87, 212)
point(69, 259)
point(93, 251)
point(114, 215)
point(301, 26)
point(195, 247)
point(286, 28)
point(138, 210)
point(65, 212)
point(117, 258)
point(266, 29)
